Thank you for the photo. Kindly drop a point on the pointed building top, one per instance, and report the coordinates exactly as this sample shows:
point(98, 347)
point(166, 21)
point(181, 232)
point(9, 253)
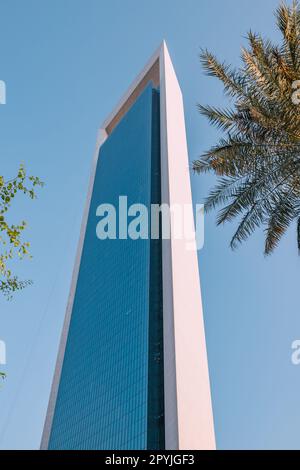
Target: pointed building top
point(151, 72)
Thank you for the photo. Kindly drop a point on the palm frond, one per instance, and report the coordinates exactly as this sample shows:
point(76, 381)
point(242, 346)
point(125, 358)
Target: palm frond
point(278, 222)
point(232, 81)
point(253, 218)
point(222, 118)
point(257, 161)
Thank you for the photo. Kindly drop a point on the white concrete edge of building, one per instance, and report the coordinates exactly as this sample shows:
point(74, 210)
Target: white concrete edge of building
point(188, 409)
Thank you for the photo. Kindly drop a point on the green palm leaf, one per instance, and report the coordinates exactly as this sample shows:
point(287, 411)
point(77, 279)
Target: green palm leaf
point(257, 161)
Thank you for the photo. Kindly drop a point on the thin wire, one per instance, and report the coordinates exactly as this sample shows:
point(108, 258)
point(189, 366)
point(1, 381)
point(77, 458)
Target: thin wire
point(20, 383)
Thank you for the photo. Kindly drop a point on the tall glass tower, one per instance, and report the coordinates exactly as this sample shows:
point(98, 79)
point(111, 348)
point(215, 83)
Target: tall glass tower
point(132, 368)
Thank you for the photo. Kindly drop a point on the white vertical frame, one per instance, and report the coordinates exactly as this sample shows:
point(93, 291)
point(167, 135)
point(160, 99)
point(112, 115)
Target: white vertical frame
point(183, 315)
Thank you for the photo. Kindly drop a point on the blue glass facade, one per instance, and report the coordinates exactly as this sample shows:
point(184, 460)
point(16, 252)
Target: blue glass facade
point(110, 394)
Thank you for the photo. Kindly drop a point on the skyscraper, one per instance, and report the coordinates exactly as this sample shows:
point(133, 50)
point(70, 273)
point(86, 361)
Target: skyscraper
point(132, 367)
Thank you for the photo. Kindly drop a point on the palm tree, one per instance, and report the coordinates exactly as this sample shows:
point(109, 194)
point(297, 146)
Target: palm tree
point(258, 160)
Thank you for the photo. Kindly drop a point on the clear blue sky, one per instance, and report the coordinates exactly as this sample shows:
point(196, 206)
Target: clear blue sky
point(66, 63)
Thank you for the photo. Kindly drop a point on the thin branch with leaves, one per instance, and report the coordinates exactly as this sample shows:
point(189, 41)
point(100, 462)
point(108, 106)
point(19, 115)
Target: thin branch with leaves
point(11, 235)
